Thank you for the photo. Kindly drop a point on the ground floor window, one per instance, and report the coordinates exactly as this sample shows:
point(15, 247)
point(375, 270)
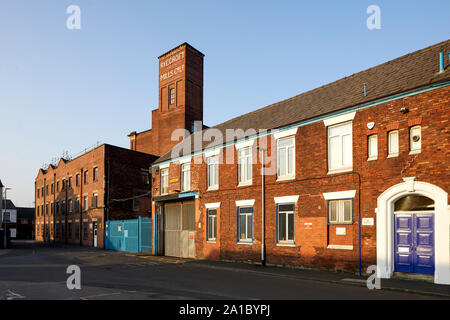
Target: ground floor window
point(245, 224)
point(285, 223)
point(77, 231)
point(69, 230)
point(212, 224)
point(85, 230)
point(340, 211)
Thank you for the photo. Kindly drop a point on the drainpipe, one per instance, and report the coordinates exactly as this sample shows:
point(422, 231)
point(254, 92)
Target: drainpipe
point(80, 207)
point(54, 208)
point(263, 202)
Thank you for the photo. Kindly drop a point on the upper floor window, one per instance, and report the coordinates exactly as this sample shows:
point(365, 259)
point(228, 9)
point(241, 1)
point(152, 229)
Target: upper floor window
point(340, 149)
point(285, 223)
point(85, 203)
point(145, 177)
point(70, 182)
point(63, 207)
point(96, 174)
point(186, 177)
point(172, 95)
point(70, 205)
point(213, 172)
point(372, 147)
point(57, 186)
point(94, 200)
point(86, 177)
point(340, 211)
point(52, 188)
point(393, 148)
point(164, 181)
point(77, 180)
point(245, 224)
point(286, 157)
point(245, 165)
point(415, 139)
point(77, 204)
point(38, 192)
point(63, 184)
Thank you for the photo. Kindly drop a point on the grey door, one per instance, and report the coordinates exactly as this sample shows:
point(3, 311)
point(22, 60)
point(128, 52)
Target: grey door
point(179, 230)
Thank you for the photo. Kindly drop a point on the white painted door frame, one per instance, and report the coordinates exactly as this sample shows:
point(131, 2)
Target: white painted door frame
point(385, 226)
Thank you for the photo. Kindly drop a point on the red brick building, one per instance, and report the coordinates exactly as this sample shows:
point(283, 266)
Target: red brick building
point(76, 197)
point(180, 101)
point(356, 170)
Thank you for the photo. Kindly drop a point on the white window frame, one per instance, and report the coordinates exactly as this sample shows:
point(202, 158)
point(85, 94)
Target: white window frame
point(292, 212)
point(340, 214)
point(415, 147)
point(95, 196)
point(342, 167)
point(288, 175)
point(211, 224)
point(372, 147)
point(164, 181)
point(212, 166)
point(85, 203)
point(245, 164)
point(391, 152)
point(172, 96)
point(185, 177)
point(246, 214)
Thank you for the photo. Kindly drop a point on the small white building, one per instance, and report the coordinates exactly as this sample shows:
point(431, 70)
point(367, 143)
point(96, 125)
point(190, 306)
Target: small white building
point(9, 217)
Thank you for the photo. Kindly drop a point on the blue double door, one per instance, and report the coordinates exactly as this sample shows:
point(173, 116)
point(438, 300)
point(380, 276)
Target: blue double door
point(414, 243)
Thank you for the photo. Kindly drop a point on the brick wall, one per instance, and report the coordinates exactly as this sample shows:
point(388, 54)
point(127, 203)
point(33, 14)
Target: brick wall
point(125, 168)
point(368, 178)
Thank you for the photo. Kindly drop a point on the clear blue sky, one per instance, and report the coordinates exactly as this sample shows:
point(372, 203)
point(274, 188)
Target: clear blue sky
point(65, 89)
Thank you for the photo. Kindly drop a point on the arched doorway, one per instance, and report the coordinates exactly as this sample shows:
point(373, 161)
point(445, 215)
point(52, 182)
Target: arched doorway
point(414, 216)
point(414, 235)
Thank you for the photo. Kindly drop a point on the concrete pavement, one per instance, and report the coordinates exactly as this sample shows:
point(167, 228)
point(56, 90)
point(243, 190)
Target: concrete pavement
point(38, 271)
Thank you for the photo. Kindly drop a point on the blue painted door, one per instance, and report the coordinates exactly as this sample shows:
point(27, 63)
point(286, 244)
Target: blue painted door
point(414, 243)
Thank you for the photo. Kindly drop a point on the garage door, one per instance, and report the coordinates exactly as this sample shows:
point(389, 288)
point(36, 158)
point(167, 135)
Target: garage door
point(179, 234)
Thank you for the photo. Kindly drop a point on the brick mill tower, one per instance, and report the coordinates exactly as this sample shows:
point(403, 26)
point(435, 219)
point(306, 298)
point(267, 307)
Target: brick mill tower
point(180, 100)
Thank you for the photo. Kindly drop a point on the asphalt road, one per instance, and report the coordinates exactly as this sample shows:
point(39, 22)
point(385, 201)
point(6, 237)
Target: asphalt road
point(33, 270)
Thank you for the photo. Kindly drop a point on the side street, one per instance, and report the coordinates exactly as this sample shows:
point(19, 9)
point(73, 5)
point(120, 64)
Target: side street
point(32, 270)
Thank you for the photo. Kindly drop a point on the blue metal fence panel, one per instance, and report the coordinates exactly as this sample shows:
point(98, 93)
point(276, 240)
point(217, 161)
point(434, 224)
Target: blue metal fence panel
point(114, 235)
point(129, 235)
point(146, 235)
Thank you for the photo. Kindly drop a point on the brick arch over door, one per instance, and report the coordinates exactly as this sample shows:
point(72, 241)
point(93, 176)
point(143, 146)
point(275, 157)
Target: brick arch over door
point(385, 226)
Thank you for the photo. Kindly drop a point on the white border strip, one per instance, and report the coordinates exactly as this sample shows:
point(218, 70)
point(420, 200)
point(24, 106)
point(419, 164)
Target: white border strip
point(214, 205)
point(339, 195)
point(212, 153)
point(185, 160)
point(338, 119)
point(164, 166)
point(287, 199)
point(285, 133)
point(245, 203)
point(245, 144)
